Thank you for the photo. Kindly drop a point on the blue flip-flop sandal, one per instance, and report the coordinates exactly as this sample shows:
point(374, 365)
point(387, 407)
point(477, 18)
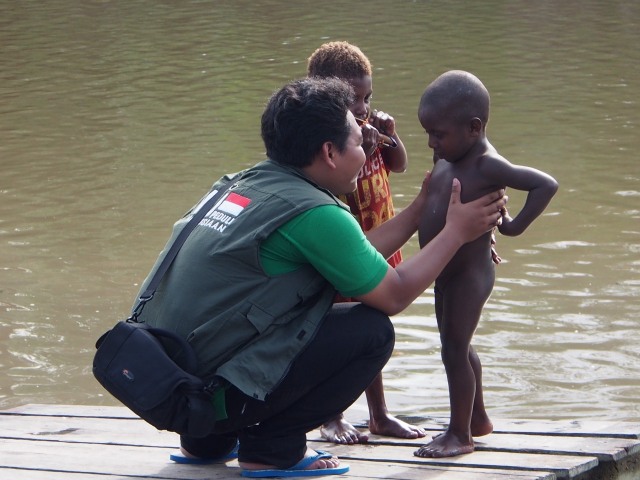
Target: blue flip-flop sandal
point(299, 469)
point(178, 457)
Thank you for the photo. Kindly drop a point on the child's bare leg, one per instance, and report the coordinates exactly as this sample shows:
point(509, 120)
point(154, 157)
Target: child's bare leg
point(456, 440)
point(380, 421)
point(457, 321)
point(480, 422)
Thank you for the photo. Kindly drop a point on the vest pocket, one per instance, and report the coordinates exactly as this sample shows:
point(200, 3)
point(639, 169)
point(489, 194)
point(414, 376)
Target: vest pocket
point(219, 339)
point(260, 318)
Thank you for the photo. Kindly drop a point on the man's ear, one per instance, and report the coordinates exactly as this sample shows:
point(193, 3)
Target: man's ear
point(328, 150)
point(475, 126)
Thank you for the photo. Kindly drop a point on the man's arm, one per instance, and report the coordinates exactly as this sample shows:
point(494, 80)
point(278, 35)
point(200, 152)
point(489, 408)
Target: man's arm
point(465, 222)
point(395, 232)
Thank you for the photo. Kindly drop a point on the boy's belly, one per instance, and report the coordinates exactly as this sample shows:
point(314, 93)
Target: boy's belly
point(473, 256)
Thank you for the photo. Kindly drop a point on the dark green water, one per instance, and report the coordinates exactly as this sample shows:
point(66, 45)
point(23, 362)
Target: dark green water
point(115, 116)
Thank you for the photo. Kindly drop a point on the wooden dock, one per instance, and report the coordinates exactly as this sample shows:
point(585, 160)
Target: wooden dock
point(56, 442)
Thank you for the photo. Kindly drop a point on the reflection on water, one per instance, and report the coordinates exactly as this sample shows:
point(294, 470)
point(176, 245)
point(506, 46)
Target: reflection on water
point(115, 116)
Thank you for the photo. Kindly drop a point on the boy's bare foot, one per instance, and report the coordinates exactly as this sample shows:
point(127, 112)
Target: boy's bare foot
point(322, 463)
point(445, 445)
point(480, 425)
point(338, 430)
point(391, 426)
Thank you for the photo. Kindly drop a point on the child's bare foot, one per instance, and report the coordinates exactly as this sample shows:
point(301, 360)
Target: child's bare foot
point(445, 445)
point(481, 425)
point(324, 462)
point(391, 426)
point(338, 430)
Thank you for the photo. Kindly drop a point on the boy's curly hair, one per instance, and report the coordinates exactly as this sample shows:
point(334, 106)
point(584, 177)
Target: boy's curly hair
point(338, 59)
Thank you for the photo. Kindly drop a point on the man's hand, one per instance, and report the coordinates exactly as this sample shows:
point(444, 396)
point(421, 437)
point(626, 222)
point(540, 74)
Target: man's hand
point(474, 218)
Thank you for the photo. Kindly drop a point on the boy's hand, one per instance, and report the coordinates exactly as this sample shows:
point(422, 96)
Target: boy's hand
point(505, 227)
point(383, 122)
point(494, 253)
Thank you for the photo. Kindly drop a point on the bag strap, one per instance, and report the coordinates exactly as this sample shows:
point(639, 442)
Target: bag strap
point(198, 214)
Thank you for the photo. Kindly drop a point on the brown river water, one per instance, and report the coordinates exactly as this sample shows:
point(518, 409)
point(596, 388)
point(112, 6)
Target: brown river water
point(115, 116)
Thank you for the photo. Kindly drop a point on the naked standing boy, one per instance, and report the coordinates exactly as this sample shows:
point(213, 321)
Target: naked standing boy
point(454, 111)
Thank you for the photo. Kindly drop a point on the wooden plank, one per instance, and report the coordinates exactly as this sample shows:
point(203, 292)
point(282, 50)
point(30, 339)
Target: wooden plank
point(71, 411)
point(18, 458)
point(121, 431)
point(578, 427)
point(548, 427)
point(606, 449)
point(111, 431)
point(118, 460)
point(564, 466)
point(87, 430)
point(390, 472)
point(562, 452)
point(366, 470)
point(13, 474)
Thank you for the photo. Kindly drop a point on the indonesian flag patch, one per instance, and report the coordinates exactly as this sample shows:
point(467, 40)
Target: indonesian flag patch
point(234, 204)
point(225, 212)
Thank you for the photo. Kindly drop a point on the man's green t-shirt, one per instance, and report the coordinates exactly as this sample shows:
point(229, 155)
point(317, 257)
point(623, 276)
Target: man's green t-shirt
point(330, 239)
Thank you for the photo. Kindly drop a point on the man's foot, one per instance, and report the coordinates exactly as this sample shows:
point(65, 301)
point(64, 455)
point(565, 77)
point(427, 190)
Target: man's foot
point(340, 431)
point(185, 457)
point(390, 426)
point(445, 445)
point(312, 464)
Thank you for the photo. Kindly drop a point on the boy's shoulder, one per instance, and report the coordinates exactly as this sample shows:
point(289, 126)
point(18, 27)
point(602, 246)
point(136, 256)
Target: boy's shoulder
point(490, 159)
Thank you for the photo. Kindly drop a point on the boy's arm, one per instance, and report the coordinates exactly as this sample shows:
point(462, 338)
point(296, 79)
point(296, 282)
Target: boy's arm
point(541, 187)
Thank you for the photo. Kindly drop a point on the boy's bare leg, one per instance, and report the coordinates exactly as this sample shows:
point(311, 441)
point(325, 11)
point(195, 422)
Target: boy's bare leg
point(457, 322)
point(338, 430)
point(480, 422)
point(383, 423)
point(456, 440)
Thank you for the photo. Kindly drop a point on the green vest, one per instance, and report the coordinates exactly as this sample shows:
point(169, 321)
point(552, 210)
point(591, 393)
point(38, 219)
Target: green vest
point(244, 325)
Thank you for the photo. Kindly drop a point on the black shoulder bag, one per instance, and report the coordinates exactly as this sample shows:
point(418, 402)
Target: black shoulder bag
point(151, 370)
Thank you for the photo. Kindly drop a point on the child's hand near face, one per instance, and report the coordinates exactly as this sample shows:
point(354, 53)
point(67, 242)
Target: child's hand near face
point(370, 138)
point(384, 122)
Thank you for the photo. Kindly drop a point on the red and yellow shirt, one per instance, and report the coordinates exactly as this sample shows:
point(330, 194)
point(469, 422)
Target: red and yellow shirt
point(371, 202)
